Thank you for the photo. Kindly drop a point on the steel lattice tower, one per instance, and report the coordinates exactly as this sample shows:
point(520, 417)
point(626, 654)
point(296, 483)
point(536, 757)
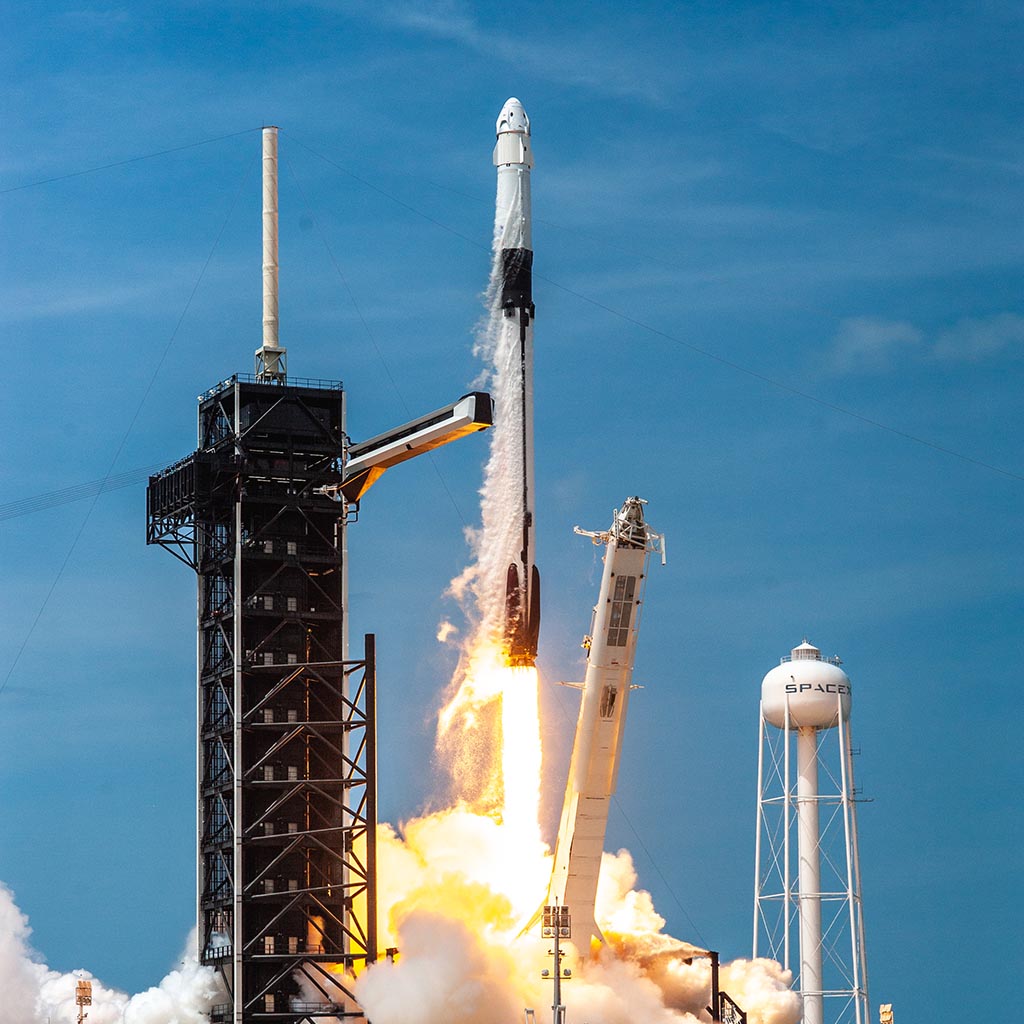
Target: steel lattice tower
point(286, 734)
point(286, 745)
point(808, 911)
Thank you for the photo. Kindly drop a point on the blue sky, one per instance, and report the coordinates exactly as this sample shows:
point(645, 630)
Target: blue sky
point(826, 196)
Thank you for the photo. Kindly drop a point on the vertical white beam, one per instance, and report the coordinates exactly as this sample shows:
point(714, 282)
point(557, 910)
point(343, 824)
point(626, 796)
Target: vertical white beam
point(270, 326)
point(787, 887)
point(760, 825)
point(853, 895)
point(809, 874)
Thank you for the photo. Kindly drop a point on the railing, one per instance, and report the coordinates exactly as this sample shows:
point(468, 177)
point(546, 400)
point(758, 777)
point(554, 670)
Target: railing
point(294, 382)
point(831, 661)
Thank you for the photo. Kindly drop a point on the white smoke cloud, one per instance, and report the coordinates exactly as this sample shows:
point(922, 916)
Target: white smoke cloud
point(458, 892)
point(35, 994)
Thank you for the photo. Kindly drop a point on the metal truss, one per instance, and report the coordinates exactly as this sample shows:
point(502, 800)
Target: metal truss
point(286, 725)
point(776, 888)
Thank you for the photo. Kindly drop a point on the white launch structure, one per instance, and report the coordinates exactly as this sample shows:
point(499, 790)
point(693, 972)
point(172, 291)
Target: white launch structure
point(813, 883)
point(611, 651)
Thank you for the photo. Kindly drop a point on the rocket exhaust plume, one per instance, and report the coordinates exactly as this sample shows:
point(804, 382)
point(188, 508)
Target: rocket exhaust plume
point(457, 886)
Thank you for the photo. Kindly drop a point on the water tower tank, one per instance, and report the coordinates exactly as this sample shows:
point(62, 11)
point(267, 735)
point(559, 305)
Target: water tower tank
point(813, 685)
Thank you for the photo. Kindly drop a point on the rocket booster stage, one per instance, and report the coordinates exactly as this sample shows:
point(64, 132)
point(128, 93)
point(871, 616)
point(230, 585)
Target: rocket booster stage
point(513, 158)
point(597, 749)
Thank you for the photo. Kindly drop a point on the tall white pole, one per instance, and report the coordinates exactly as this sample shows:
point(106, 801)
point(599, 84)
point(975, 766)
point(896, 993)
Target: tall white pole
point(809, 884)
point(270, 357)
point(760, 825)
point(270, 331)
point(787, 877)
point(856, 914)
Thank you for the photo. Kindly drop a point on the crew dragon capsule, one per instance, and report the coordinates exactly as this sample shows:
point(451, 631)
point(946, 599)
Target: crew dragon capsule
point(513, 158)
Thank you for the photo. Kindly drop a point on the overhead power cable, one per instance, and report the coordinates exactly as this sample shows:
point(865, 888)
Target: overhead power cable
point(696, 349)
point(76, 492)
point(127, 433)
point(128, 160)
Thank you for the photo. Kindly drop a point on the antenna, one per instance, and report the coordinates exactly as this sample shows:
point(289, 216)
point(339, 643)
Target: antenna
point(83, 998)
point(556, 924)
point(270, 357)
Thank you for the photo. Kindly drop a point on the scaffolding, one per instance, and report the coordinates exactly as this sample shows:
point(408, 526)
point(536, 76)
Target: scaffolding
point(286, 738)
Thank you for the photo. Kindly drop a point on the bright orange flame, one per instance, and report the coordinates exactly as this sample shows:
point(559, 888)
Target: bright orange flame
point(491, 727)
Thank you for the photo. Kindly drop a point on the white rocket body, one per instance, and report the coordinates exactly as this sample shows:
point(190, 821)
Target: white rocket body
point(513, 157)
point(597, 748)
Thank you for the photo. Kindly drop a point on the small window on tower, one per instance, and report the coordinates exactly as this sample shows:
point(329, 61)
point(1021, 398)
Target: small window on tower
point(293, 604)
point(293, 547)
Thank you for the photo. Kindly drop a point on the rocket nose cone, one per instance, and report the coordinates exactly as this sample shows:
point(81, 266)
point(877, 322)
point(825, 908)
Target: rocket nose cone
point(512, 118)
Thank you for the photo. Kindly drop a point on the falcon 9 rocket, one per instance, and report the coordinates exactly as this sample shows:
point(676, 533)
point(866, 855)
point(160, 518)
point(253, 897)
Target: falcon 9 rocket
point(513, 158)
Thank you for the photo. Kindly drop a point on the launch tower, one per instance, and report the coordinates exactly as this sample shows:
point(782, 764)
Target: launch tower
point(286, 744)
point(812, 883)
point(286, 759)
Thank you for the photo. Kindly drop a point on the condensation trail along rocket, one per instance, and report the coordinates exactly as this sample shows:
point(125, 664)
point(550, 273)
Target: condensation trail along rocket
point(513, 158)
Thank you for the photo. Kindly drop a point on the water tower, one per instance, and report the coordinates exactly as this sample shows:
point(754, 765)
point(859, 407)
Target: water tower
point(810, 886)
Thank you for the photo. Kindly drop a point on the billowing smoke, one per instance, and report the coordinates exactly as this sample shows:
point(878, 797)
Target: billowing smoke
point(457, 893)
point(32, 993)
point(459, 890)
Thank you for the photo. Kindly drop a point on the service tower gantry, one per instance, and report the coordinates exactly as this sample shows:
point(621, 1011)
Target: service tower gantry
point(286, 722)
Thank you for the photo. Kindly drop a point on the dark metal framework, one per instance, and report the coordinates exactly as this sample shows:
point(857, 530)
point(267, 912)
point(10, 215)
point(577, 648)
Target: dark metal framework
point(286, 727)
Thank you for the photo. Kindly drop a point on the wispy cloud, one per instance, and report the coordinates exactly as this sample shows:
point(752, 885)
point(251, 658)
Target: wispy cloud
point(866, 344)
point(36, 301)
point(971, 340)
point(599, 66)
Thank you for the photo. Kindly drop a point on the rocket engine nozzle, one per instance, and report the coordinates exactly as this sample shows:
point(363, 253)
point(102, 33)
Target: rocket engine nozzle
point(522, 618)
